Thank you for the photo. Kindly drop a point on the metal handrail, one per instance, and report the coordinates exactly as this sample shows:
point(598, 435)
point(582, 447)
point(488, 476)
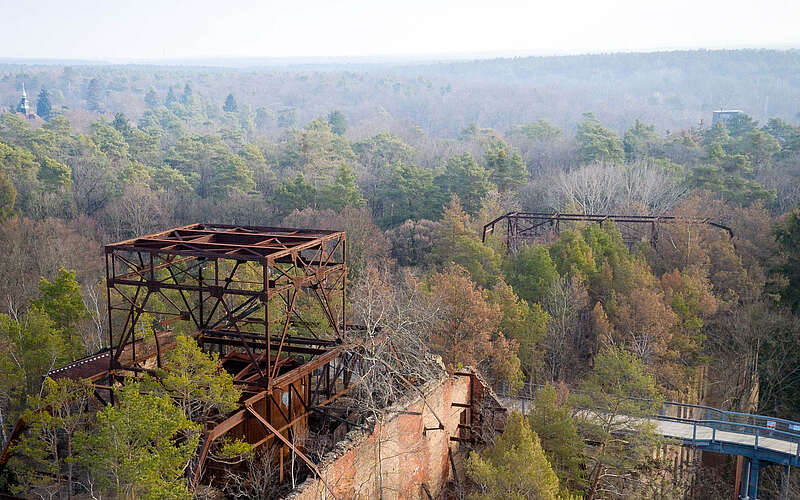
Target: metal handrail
point(732, 416)
point(728, 421)
point(737, 428)
point(724, 414)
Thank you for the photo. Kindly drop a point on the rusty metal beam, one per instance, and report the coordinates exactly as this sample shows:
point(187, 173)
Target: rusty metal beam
point(246, 268)
point(291, 446)
point(515, 234)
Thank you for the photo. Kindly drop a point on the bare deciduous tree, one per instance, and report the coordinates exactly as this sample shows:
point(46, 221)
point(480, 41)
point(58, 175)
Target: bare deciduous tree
point(96, 306)
point(393, 346)
point(40, 248)
point(138, 211)
point(258, 480)
point(604, 188)
point(565, 302)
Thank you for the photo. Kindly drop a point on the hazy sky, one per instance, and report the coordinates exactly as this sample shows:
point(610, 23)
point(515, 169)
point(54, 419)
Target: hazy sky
point(155, 29)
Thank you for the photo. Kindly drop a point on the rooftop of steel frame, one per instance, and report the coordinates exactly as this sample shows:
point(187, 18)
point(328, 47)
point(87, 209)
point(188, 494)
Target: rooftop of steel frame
point(553, 216)
point(228, 241)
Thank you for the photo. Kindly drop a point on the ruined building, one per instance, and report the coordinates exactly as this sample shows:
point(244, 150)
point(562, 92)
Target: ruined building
point(241, 292)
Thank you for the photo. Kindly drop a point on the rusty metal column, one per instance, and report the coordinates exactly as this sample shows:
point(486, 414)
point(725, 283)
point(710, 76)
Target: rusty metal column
point(200, 313)
point(509, 232)
point(344, 286)
point(266, 272)
point(110, 329)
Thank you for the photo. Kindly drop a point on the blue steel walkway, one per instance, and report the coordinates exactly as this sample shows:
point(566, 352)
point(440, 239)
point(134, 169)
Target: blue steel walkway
point(756, 437)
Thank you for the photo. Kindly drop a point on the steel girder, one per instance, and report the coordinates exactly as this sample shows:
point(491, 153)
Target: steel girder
point(527, 227)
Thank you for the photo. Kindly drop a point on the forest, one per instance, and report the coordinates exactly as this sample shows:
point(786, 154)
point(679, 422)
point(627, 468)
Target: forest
point(412, 161)
point(671, 90)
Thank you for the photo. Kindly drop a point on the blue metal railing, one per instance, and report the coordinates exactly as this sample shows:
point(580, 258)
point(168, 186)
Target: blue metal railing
point(758, 433)
point(698, 412)
point(707, 417)
point(758, 426)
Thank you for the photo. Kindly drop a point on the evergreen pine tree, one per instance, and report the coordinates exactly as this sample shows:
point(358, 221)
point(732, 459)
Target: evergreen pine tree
point(94, 95)
point(151, 98)
point(122, 124)
point(140, 446)
point(286, 117)
point(515, 467)
point(506, 168)
point(787, 234)
point(230, 104)
point(342, 192)
point(61, 300)
point(171, 97)
point(8, 196)
point(43, 107)
point(187, 97)
point(338, 122)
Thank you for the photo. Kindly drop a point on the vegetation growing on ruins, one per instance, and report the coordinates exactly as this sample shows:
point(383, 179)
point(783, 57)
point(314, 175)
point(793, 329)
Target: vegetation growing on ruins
point(584, 315)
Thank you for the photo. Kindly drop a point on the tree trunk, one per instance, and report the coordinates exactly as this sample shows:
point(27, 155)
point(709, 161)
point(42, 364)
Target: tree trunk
point(598, 469)
point(69, 466)
point(3, 428)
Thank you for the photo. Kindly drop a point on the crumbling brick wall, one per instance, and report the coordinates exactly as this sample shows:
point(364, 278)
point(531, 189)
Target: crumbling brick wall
point(407, 452)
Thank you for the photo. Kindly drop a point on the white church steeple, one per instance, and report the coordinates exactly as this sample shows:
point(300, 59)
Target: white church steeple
point(24, 107)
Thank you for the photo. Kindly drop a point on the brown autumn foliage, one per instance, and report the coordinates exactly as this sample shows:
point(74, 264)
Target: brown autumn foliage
point(735, 266)
point(412, 241)
point(643, 324)
point(467, 330)
point(693, 288)
point(661, 324)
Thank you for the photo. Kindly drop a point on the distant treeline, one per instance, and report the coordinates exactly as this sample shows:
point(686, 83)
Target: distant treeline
point(671, 90)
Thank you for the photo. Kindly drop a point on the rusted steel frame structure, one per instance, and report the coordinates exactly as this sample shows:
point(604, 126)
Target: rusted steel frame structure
point(527, 226)
point(278, 415)
point(328, 375)
point(222, 278)
point(237, 290)
point(241, 289)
